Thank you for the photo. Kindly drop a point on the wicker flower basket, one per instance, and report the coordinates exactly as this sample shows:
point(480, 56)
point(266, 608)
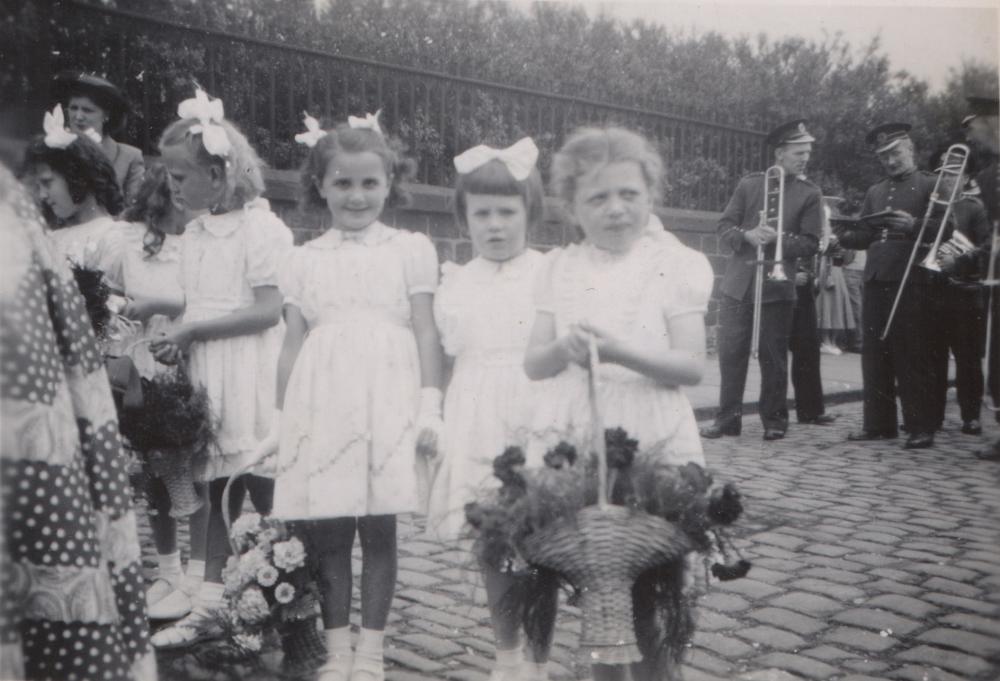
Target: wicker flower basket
point(303, 647)
point(175, 469)
point(602, 550)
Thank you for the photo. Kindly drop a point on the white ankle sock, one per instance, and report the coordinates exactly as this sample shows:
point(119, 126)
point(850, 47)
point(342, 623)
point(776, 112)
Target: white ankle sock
point(338, 641)
point(194, 575)
point(209, 596)
point(170, 567)
point(370, 642)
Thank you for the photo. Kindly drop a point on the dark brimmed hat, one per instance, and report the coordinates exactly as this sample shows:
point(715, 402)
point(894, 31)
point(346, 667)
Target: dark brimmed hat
point(981, 106)
point(792, 132)
point(106, 95)
point(887, 136)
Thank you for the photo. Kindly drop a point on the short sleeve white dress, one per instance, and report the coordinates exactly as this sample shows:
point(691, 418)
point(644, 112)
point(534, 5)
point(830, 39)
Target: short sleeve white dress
point(484, 311)
point(632, 295)
point(223, 258)
point(347, 443)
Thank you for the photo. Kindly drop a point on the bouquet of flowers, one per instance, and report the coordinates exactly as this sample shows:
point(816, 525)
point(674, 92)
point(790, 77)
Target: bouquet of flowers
point(269, 588)
point(173, 431)
point(540, 522)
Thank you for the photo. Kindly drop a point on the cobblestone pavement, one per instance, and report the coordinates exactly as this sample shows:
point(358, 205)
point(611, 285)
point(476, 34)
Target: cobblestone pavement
point(869, 562)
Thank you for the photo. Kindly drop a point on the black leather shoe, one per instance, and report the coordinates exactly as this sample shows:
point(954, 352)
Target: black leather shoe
point(972, 427)
point(773, 434)
point(821, 420)
point(717, 430)
point(865, 435)
point(920, 441)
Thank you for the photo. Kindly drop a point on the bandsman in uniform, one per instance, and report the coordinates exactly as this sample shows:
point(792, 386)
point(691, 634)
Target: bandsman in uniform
point(740, 230)
point(902, 362)
point(961, 311)
point(982, 132)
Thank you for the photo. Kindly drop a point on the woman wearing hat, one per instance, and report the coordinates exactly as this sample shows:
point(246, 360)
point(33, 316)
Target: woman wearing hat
point(97, 108)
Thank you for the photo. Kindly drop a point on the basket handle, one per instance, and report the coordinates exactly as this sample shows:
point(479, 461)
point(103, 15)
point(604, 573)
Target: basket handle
point(597, 424)
point(246, 468)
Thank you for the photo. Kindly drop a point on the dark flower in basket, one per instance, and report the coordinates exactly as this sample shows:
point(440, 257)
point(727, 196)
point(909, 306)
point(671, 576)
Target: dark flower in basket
point(564, 454)
point(621, 448)
point(95, 295)
point(725, 506)
point(507, 467)
point(175, 415)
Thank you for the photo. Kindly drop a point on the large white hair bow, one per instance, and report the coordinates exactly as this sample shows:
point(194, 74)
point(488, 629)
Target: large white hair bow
point(520, 158)
point(209, 114)
point(369, 122)
point(56, 134)
point(313, 133)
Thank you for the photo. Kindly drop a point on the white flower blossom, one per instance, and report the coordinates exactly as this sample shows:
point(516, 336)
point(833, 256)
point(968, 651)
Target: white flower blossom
point(250, 642)
point(267, 575)
point(289, 555)
point(252, 606)
point(284, 593)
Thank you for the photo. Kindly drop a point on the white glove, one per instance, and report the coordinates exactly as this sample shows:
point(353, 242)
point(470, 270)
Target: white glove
point(429, 424)
point(265, 454)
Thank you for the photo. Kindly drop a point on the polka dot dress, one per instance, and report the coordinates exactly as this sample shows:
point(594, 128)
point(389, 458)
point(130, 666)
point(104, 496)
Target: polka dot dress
point(72, 590)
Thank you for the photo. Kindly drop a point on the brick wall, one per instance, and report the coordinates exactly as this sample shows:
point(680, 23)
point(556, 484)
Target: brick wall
point(430, 212)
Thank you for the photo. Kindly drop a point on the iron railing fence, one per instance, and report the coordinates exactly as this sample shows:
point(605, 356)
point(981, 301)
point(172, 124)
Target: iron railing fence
point(267, 85)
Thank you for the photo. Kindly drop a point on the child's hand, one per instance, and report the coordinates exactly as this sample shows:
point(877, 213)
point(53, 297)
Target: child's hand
point(608, 344)
point(429, 424)
point(171, 347)
point(575, 345)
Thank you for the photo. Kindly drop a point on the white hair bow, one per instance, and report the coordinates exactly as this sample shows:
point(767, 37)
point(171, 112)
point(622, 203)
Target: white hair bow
point(209, 114)
point(369, 122)
point(520, 158)
point(313, 133)
point(56, 134)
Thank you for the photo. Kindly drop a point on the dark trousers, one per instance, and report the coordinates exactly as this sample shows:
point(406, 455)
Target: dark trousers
point(961, 320)
point(901, 363)
point(804, 345)
point(735, 327)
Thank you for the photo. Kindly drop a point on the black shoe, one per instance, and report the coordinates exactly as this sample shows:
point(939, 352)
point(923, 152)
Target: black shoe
point(920, 441)
point(972, 427)
point(717, 430)
point(821, 420)
point(773, 434)
point(865, 435)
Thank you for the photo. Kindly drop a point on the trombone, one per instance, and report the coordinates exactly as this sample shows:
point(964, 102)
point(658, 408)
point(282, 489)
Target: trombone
point(774, 187)
point(991, 282)
point(955, 160)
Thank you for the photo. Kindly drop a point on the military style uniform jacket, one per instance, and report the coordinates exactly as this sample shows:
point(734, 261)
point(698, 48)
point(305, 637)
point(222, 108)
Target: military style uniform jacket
point(802, 228)
point(970, 219)
point(888, 252)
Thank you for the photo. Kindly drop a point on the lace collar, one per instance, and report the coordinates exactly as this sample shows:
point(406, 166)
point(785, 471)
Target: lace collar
point(224, 224)
point(373, 235)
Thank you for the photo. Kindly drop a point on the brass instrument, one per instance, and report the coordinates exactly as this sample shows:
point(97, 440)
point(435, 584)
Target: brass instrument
point(774, 187)
point(955, 160)
point(991, 283)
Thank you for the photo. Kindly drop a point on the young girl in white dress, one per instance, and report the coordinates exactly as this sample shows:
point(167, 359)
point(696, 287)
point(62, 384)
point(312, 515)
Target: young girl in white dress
point(74, 184)
point(230, 329)
point(484, 311)
point(141, 260)
point(358, 381)
point(635, 289)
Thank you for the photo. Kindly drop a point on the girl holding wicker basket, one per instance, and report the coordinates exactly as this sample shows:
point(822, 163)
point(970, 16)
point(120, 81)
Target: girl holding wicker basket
point(141, 258)
point(634, 290)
